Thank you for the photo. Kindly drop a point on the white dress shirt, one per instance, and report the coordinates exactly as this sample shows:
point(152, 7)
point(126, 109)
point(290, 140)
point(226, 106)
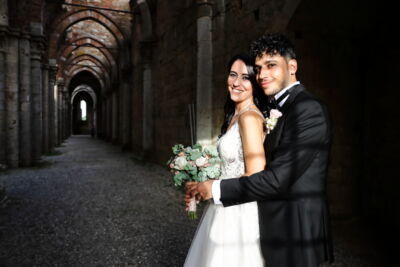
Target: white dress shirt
point(216, 186)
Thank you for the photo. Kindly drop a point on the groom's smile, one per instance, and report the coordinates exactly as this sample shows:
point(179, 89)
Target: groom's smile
point(275, 72)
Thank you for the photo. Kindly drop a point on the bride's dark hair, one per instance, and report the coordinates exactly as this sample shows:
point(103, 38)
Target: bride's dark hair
point(258, 94)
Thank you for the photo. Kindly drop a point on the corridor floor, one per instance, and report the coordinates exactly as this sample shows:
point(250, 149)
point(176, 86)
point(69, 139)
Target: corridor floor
point(93, 205)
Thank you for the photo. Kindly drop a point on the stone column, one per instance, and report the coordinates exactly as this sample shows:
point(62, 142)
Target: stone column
point(12, 103)
point(53, 103)
point(56, 116)
point(125, 108)
point(109, 116)
point(64, 113)
point(148, 96)
point(59, 113)
point(3, 13)
point(36, 90)
point(114, 118)
point(25, 149)
point(3, 142)
point(204, 73)
point(45, 108)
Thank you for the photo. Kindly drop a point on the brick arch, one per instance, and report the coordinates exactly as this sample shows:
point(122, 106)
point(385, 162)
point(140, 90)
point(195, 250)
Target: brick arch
point(80, 69)
point(73, 17)
point(88, 41)
point(110, 64)
point(92, 59)
point(84, 88)
point(96, 68)
point(88, 57)
point(66, 69)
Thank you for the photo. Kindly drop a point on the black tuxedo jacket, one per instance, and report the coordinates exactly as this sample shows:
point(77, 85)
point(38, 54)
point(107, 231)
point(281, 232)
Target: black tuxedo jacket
point(291, 192)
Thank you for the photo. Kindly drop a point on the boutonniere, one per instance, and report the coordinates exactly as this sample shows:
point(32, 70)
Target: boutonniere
point(272, 120)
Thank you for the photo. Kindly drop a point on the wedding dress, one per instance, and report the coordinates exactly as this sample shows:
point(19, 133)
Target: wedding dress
point(228, 237)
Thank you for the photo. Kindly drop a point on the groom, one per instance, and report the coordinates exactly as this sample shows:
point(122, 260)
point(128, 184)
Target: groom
point(291, 192)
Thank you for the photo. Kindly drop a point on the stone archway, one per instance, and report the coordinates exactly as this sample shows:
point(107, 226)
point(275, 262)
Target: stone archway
point(83, 115)
point(81, 125)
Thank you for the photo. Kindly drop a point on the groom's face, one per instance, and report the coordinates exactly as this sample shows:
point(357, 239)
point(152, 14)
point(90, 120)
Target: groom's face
point(274, 72)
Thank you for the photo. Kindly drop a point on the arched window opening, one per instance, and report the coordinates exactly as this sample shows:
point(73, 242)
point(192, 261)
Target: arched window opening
point(83, 110)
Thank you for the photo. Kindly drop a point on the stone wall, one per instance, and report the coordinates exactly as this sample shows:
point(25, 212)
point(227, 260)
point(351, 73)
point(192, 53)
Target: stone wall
point(332, 65)
point(173, 62)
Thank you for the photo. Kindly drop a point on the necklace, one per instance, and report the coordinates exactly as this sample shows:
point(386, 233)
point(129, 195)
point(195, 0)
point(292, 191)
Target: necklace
point(243, 109)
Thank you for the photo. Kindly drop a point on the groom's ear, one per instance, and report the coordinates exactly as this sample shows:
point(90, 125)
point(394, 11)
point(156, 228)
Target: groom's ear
point(292, 63)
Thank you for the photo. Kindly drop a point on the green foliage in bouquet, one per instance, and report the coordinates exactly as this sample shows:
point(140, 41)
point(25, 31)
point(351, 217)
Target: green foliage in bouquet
point(194, 163)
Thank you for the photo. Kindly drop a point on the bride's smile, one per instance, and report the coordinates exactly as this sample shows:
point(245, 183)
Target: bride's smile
point(239, 85)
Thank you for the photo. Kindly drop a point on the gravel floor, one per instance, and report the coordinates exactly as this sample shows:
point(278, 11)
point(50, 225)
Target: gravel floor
point(93, 205)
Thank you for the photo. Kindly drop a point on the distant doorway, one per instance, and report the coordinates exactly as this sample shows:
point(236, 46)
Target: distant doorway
point(82, 114)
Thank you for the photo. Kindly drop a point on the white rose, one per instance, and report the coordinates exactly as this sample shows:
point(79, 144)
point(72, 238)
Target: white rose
point(275, 114)
point(180, 162)
point(201, 161)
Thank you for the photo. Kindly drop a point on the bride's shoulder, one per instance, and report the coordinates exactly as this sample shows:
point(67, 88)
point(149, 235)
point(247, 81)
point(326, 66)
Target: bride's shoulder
point(252, 117)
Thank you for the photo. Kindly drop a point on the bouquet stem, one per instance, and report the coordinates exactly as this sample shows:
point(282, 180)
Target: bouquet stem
point(192, 208)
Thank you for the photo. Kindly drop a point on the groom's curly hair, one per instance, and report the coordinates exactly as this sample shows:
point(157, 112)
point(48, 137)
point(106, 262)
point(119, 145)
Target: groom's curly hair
point(272, 43)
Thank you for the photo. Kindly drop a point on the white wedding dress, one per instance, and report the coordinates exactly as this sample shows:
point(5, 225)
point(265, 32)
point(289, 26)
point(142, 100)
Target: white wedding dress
point(228, 237)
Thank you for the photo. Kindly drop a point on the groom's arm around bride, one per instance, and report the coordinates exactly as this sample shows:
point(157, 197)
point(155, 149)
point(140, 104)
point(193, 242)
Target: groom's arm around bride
point(291, 191)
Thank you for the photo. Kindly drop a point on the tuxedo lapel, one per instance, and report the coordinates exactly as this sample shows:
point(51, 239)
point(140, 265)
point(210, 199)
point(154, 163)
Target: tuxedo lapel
point(272, 140)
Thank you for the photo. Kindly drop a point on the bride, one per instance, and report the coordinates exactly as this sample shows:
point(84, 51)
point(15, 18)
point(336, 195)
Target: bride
point(228, 237)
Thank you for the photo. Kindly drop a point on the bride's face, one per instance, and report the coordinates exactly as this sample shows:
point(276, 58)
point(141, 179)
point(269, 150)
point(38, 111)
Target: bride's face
point(239, 85)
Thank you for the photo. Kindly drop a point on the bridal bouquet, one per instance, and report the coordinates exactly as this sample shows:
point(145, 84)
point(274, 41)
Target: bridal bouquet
point(193, 164)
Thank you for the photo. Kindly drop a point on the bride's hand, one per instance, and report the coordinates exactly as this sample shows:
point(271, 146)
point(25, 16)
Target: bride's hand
point(191, 191)
point(204, 189)
point(190, 186)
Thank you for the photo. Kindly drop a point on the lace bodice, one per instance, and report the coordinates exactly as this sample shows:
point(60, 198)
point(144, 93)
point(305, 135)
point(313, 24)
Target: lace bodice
point(231, 153)
point(230, 150)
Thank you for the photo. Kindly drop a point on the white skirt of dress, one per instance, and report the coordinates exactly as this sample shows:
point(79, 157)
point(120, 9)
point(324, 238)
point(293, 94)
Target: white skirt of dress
point(227, 237)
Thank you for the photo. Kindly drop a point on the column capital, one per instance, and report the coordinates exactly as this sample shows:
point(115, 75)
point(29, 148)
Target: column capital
point(60, 82)
point(4, 29)
point(45, 66)
point(52, 73)
point(37, 47)
point(3, 41)
point(204, 8)
point(14, 32)
point(25, 35)
point(205, 2)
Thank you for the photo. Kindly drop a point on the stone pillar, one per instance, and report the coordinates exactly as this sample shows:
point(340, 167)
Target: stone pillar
point(45, 108)
point(59, 113)
point(64, 113)
point(125, 109)
point(204, 73)
point(148, 96)
point(114, 118)
point(25, 149)
point(36, 90)
point(12, 102)
point(53, 131)
point(109, 116)
point(3, 142)
point(56, 116)
point(3, 13)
